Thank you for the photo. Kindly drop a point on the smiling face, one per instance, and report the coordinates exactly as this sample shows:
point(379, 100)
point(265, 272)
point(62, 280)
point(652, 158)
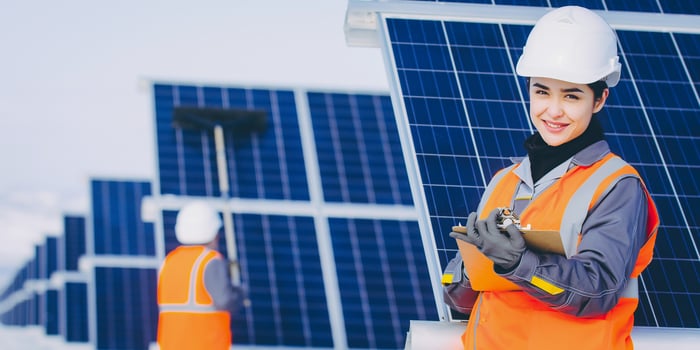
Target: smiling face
point(561, 111)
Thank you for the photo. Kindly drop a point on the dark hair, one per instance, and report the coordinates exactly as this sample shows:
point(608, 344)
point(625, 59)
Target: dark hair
point(598, 87)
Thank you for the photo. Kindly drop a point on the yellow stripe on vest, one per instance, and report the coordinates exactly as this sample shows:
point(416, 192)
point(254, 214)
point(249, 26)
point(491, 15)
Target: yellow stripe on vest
point(447, 279)
point(545, 286)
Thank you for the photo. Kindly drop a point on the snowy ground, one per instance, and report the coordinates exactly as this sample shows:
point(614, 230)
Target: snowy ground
point(33, 338)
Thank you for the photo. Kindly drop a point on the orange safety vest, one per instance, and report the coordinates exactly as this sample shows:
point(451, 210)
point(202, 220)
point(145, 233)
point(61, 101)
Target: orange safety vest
point(188, 319)
point(508, 318)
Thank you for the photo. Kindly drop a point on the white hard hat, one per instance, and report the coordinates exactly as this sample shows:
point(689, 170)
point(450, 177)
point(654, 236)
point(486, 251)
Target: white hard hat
point(197, 223)
point(572, 44)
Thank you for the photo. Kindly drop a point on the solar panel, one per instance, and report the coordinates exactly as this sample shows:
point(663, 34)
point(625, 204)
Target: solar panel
point(285, 283)
point(74, 298)
point(16, 312)
point(361, 165)
point(33, 297)
point(50, 259)
point(119, 268)
point(327, 162)
point(117, 228)
point(50, 312)
point(47, 298)
point(128, 313)
point(187, 160)
point(34, 309)
point(366, 255)
point(462, 110)
point(72, 243)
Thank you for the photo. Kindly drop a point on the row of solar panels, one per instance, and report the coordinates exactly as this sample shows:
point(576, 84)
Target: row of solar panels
point(325, 230)
point(94, 283)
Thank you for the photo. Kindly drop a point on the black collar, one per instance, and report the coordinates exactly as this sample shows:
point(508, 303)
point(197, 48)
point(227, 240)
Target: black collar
point(544, 157)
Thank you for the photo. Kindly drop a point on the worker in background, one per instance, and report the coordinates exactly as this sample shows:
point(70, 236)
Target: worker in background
point(584, 298)
point(195, 295)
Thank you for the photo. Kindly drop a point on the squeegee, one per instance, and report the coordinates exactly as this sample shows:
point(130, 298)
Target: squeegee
point(240, 123)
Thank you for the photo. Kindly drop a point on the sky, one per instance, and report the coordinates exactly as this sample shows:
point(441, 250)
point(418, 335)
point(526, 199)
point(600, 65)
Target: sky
point(75, 100)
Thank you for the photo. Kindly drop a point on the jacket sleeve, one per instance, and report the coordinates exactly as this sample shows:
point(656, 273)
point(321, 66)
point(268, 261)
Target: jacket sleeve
point(456, 288)
point(217, 280)
point(591, 282)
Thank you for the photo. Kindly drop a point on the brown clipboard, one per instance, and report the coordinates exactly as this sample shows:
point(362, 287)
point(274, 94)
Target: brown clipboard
point(543, 241)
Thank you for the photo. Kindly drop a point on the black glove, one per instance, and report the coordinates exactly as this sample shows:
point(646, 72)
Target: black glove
point(504, 248)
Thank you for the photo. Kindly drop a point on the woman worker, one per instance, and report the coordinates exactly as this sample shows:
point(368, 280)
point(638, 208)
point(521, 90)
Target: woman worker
point(585, 296)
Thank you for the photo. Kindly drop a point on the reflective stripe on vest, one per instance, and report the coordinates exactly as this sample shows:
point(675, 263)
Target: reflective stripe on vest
point(191, 304)
point(577, 209)
point(631, 290)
